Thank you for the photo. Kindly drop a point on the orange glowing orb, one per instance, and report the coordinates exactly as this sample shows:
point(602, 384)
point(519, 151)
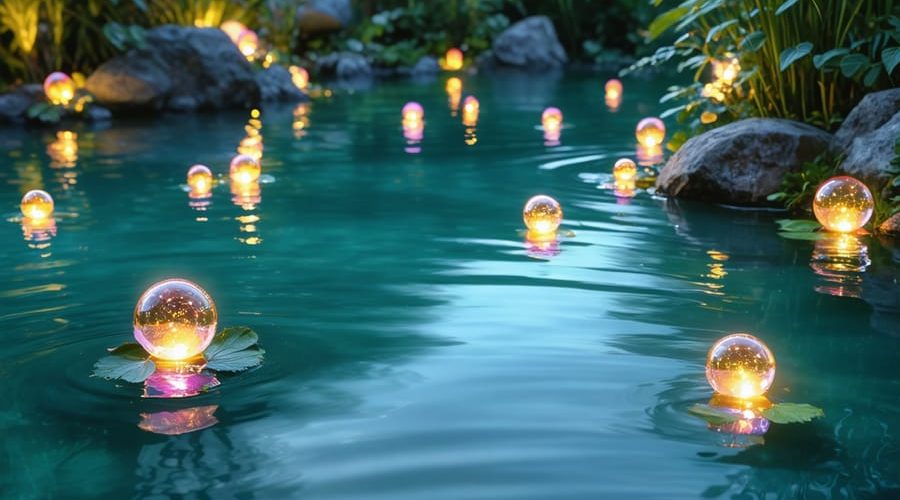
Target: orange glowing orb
point(650, 132)
point(551, 119)
point(843, 204)
point(624, 171)
point(454, 85)
point(542, 214)
point(200, 179)
point(412, 113)
point(175, 320)
point(244, 169)
point(299, 76)
point(248, 43)
point(59, 88)
point(740, 366)
point(470, 111)
point(233, 29)
point(37, 205)
point(453, 60)
point(613, 89)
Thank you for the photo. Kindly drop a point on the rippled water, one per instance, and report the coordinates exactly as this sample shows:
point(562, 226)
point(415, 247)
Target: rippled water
point(414, 347)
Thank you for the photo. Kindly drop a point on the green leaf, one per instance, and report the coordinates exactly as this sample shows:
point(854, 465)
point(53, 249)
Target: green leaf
point(665, 21)
point(37, 109)
point(754, 41)
point(798, 225)
point(233, 350)
point(797, 235)
point(853, 64)
point(891, 58)
point(872, 75)
point(714, 416)
point(785, 6)
point(128, 362)
point(718, 28)
point(792, 413)
point(791, 54)
point(820, 60)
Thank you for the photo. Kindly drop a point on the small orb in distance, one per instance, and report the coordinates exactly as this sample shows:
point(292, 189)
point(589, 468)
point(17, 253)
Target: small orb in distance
point(299, 76)
point(200, 179)
point(613, 89)
point(843, 204)
point(542, 214)
point(551, 119)
point(740, 366)
point(248, 43)
point(59, 88)
point(37, 205)
point(244, 169)
point(233, 29)
point(412, 113)
point(453, 59)
point(624, 171)
point(650, 132)
point(175, 320)
point(454, 84)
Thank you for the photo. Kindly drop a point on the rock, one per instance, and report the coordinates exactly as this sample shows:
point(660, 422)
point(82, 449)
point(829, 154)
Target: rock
point(742, 162)
point(95, 113)
point(891, 225)
point(275, 84)
point(529, 44)
point(345, 65)
point(427, 65)
point(318, 16)
point(180, 68)
point(869, 155)
point(873, 111)
point(14, 105)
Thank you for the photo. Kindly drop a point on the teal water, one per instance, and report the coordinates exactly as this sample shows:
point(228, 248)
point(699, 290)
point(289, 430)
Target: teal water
point(414, 348)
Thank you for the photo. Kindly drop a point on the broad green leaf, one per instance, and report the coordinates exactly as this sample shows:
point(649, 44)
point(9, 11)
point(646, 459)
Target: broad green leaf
point(792, 413)
point(820, 60)
point(785, 6)
point(128, 362)
point(718, 28)
point(754, 41)
point(37, 109)
point(891, 58)
point(665, 21)
point(791, 54)
point(233, 349)
point(237, 361)
point(872, 75)
point(852, 64)
point(712, 415)
point(798, 225)
point(798, 235)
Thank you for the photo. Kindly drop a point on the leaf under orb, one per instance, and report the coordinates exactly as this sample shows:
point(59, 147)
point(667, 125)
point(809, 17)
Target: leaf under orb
point(714, 416)
point(792, 413)
point(234, 349)
point(128, 362)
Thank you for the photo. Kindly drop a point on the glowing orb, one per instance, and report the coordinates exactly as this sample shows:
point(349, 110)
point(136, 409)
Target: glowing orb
point(233, 29)
point(650, 132)
point(453, 59)
point(624, 171)
point(200, 179)
point(59, 88)
point(740, 366)
point(248, 43)
point(726, 71)
point(299, 76)
point(613, 89)
point(37, 205)
point(843, 204)
point(174, 320)
point(413, 114)
point(470, 111)
point(454, 84)
point(542, 214)
point(244, 169)
point(551, 119)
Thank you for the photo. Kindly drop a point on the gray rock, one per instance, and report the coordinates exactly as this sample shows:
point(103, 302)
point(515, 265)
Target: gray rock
point(529, 44)
point(427, 65)
point(891, 225)
point(741, 163)
point(14, 105)
point(345, 66)
point(178, 65)
point(869, 155)
point(95, 113)
point(873, 111)
point(275, 84)
point(318, 16)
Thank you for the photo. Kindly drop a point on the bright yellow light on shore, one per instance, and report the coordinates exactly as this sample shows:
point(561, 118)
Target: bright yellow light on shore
point(542, 214)
point(843, 204)
point(726, 71)
point(453, 60)
point(244, 169)
point(59, 88)
point(650, 132)
point(740, 366)
point(233, 29)
point(175, 320)
point(37, 205)
point(299, 76)
point(248, 43)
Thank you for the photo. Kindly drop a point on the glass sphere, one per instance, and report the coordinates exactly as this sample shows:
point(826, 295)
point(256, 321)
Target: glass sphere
point(200, 179)
point(299, 76)
point(624, 171)
point(37, 204)
point(542, 214)
point(412, 113)
point(244, 169)
point(453, 60)
point(233, 29)
point(248, 43)
point(613, 88)
point(551, 118)
point(650, 132)
point(740, 366)
point(59, 88)
point(843, 204)
point(175, 320)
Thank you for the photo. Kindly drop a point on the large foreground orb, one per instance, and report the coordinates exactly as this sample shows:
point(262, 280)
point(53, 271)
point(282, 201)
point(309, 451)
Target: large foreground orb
point(740, 366)
point(175, 320)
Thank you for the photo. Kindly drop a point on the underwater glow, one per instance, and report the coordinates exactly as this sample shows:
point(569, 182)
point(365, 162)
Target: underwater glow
point(650, 132)
point(454, 93)
point(542, 215)
point(200, 180)
point(843, 204)
point(740, 366)
point(233, 29)
point(613, 89)
point(470, 111)
point(175, 320)
point(244, 169)
point(59, 88)
point(37, 205)
point(453, 59)
point(248, 43)
point(413, 114)
point(299, 76)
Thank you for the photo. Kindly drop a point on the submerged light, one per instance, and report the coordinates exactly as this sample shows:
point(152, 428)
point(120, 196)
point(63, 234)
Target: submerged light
point(843, 204)
point(175, 320)
point(740, 366)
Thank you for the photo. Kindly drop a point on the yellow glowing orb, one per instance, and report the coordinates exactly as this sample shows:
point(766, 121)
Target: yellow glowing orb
point(37, 205)
point(613, 89)
point(453, 60)
point(244, 169)
point(59, 88)
point(299, 76)
point(233, 29)
point(248, 43)
point(470, 111)
point(551, 119)
point(175, 320)
point(542, 214)
point(726, 71)
point(740, 366)
point(413, 114)
point(843, 204)
point(624, 171)
point(650, 132)
point(200, 179)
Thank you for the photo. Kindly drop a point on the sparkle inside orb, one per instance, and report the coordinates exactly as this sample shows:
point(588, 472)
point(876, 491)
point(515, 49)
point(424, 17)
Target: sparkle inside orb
point(551, 119)
point(613, 89)
point(244, 169)
point(299, 76)
point(200, 179)
point(59, 88)
point(174, 320)
point(413, 114)
point(453, 60)
point(542, 214)
point(624, 171)
point(37, 205)
point(650, 132)
point(248, 43)
point(740, 366)
point(843, 204)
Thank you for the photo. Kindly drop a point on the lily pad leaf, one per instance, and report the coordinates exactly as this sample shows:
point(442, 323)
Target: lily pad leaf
point(714, 416)
point(798, 225)
point(792, 413)
point(128, 362)
point(233, 350)
point(798, 235)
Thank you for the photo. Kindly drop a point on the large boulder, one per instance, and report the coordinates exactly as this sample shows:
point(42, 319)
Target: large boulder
point(180, 68)
point(345, 66)
point(741, 163)
point(869, 156)
point(318, 16)
point(891, 226)
point(529, 44)
point(873, 111)
point(275, 84)
point(14, 105)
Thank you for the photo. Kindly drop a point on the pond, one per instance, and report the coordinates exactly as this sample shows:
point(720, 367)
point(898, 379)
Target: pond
point(416, 346)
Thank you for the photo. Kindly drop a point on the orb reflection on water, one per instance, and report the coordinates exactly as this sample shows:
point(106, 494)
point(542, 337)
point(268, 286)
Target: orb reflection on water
point(175, 320)
point(542, 214)
point(843, 204)
point(740, 366)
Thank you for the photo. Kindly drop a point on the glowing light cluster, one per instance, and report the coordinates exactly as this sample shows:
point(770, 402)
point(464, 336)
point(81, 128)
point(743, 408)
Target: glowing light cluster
point(542, 215)
point(175, 320)
point(453, 60)
point(740, 366)
point(37, 205)
point(650, 132)
point(248, 43)
point(233, 29)
point(843, 204)
point(244, 169)
point(726, 71)
point(299, 76)
point(59, 88)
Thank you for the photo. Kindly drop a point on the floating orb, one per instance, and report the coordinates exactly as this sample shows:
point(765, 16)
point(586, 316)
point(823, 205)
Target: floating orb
point(624, 171)
point(413, 114)
point(650, 132)
point(740, 366)
point(244, 169)
point(843, 204)
point(233, 29)
point(726, 71)
point(200, 180)
point(59, 88)
point(551, 119)
point(453, 59)
point(37, 205)
point(613, 89)
point(248, 43)
point(174, 320)
point(542, 214)
point(299, 76)
point(470, 111)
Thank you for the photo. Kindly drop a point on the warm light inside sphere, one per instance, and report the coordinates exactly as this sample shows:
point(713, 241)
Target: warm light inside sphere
point(299, 76)
point(613, 89)
point(413, 114)
point(59, 88)
point(248, 43)
point(244, 169)
point(453, 60)
point(542, 214)
point(624, 171)
point(551, 119)
point(650, 132)
point(37, 205)
point(233, 29)
point(200, 180)
point(740, 366)
point(470, 111)
point(174, 320)
point(843, 204)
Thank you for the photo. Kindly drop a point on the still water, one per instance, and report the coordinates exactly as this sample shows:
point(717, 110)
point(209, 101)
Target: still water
point(416, 346)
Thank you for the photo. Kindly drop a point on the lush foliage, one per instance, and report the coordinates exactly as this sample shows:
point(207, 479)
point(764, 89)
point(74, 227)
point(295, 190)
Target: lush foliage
point(798, 188)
